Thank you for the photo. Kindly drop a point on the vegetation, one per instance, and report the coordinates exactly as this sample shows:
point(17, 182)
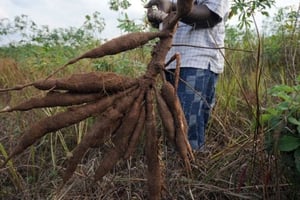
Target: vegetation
point(253, 138)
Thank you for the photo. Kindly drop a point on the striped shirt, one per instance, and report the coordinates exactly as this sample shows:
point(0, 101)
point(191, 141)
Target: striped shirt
point(200, 47)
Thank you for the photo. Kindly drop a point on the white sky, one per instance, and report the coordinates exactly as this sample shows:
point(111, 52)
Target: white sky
point(66, 13)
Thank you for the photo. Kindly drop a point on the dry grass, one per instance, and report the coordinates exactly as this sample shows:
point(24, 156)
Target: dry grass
point(235, 165)
point(231, 169)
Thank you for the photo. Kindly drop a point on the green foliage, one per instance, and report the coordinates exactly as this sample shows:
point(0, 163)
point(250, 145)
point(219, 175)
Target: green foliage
point(281, 46)
point(245, 8)
point(283, 123)
point(288, 143)
point(93, 24)
point(116, 5)
point(125, 23)
point(28, 32)
point(297, 158)
point(128, 25)
point(286, 19)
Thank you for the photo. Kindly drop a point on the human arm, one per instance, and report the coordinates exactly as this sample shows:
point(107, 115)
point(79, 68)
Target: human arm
point(200, 16)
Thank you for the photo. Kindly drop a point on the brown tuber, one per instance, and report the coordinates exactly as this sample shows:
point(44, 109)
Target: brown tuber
point(101, 131)
point(120, 139)
point(154, 174)
point(88, 83)
point(119, 44)
point(172, 100)
point(166, 118)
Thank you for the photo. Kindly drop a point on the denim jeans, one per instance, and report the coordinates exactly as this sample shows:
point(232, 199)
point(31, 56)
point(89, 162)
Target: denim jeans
point(197, 95)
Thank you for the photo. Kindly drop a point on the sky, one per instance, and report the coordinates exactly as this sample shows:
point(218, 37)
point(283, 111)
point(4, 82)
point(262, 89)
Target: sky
point(66, 13)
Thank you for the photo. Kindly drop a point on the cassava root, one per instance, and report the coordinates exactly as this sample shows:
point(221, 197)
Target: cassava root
point(154, 174)
point(182, 144)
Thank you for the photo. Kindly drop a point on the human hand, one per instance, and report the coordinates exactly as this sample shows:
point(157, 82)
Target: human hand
point(155, 16)
point(163, 5)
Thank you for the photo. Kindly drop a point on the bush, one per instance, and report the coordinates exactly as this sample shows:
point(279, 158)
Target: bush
point(282, 121)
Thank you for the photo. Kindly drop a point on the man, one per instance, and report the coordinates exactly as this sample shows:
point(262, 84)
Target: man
point(199, 40)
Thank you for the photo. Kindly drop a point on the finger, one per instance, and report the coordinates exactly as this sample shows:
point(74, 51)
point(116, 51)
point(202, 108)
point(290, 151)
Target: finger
point(150, 4)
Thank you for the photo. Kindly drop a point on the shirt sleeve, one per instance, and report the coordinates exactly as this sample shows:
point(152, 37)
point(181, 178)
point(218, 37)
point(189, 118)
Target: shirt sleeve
point(219, 7)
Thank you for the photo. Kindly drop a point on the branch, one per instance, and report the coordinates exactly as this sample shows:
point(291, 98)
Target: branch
point(227, 48)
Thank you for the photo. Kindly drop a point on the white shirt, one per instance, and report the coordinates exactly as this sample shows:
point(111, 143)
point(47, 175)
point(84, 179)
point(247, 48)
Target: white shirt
point(212, 38)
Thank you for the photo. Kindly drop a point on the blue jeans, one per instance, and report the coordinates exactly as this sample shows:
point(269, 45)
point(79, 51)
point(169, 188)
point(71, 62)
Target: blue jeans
point(197, 95)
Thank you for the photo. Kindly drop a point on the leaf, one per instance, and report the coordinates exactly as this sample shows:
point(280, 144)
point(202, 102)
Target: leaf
point(273, 111)
point(266, 117)
point(294, 121)
point(265, 13)
point(283, 106)
point(297, 88)
point(87, 17)
point(297, 159)
point(281, 88)
point(288, 143)
point(284, 96)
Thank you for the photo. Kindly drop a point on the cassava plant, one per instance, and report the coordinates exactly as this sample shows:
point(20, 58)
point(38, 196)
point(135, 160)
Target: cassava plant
point(282, 121)
point(123, 107)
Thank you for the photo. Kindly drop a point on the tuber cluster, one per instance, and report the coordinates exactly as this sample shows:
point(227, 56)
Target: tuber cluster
point(123, 107)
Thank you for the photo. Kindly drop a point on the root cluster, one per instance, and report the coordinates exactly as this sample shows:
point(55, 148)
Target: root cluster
point(123, 108)
point(122, 115)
